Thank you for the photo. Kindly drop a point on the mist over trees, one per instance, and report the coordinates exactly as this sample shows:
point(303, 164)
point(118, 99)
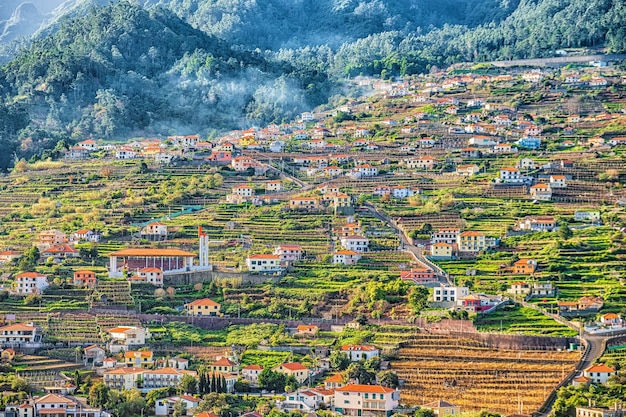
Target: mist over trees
point(160, 67)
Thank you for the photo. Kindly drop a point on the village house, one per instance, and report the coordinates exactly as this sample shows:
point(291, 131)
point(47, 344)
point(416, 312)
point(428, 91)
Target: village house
point(471, 153)
point(307, 400)
point(348, 229)
point(504, 148)
point(441, 408)
point(334, 381)
point(288, 253)
point(346, 257)
point(425, 162)
point(53, 405)
point(9, 255)
point(203, 307)
point(224, 364)
point(587, 216)
point(467, 170)
point(263, 262)
point(85, 279)
point(524, 267)
point(441, 251)
point(139, 359)
point(525, 164)
point(307, 330)
point(274, 186)
point(19, 333)
point(477, 303)
point(538, 224)
point(163, 377)
point(30, 283)
point(94, 355)
point(445, 235)
point(125, 338)
point(599, 374)
point(364, 170)
point(447, 293)
point(220, 157)
point(166, 406)
point(558, 181)
point(366, 400)
point(85, 235)
point(177, 363)
point(60, 252)
point(611, 319)
point(304, 203)
point(168, 260)
point(149, 275)
point(295, 369)
point(541, 192)
point(7, 355)
point(251, 374)
point(419, 275)
point(529, 142)
point(355, 243)
point(511, 176)
point(53, 237)
point(154, 231)
point(360, 352)
point(471, 242)
point(125, 152)
point(615, 411)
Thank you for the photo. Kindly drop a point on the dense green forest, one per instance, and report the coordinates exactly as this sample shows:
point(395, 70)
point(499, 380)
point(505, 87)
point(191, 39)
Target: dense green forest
point(159, 67)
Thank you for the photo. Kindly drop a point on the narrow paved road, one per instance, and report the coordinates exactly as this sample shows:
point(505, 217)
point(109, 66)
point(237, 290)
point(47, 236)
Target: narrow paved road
point(407, 244)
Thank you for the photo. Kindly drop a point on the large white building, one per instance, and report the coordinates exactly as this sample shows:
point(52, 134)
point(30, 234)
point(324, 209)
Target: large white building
point(445, 293)
point(30, 283)
point(361, 400)
point(19, 333)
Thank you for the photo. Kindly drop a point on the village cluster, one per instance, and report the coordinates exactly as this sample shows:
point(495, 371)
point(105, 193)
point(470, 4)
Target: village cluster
point(349, 166)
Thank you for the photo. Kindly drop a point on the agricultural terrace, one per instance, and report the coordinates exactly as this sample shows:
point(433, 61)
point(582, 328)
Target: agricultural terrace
point(476, 377)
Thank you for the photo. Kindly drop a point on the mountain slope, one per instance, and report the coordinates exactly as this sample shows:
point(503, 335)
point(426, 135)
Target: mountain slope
point(125, 70)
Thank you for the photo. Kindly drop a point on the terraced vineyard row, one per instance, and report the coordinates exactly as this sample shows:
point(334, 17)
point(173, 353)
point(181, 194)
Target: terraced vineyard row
point(477, 377)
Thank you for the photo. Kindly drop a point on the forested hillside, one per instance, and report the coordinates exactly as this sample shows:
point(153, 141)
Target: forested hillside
point(123, 69)
point(181, 66)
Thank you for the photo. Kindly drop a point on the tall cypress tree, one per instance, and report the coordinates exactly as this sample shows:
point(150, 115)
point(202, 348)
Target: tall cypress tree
point(213, 383)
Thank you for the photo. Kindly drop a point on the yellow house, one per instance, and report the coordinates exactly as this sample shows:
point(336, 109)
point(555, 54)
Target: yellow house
point(304, 203)
point(203, 307)
point(471, 242)
point(139, 359)
point(443, 408)
point(7, 355)
point(299, 371)
point(441, 251)
point(224, 365)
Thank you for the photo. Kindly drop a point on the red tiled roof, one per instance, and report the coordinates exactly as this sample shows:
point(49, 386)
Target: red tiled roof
point(365, 388)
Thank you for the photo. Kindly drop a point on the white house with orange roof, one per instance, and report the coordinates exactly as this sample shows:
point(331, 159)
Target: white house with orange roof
point(86, 235)
point(169, 260)
point(424, 162)
point(346, 257)
point(288, 253)
point(334, 381)
point(251, 374)
point(366, 400)
point(541, 192)
point(263, 262)
point(164, 377)
point(558, 181)
point(304, 203)
point(447, 235)
point(19, 333)
point(611, 319)
point(510, 175)
point(89, 145)
point(123, 338)
point(30, 283)
point(355, 243)
point(307, 400)
point(149, 275)
point(467, 170)
point(60, 252)
point(364, 170)
point(295, 369)
point(94, 354)
point(166, 406)
point(9, 255)
point(203, 307)
point(154, 231)
point(599, 374)
point(307, 330)
point(538, 224)
point(274, 186)
point(358, 352)
point(58, 405)
point(84, 278)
